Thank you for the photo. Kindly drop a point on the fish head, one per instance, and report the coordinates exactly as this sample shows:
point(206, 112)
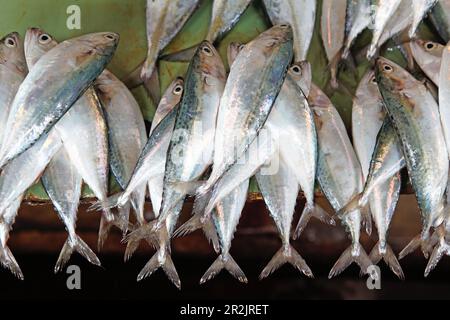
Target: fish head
point(301, 73)
point(390, 75)
point(37, 43)
point(275, 36)
point(427, 47)
point(11, 53)
point(234, 48)
point(100, 43)
point(171, 97)
point(209, 64)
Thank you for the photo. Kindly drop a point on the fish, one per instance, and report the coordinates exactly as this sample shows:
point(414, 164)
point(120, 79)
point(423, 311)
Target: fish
point(415, 116)
point(170, 100)
point(301, 15)
point(358, 19)
point(444, 95)
point(385, 10)
point(420, 10)
point(339, 176)
point(368, 116)
point(440, 17)
point(190, 150)
point(164, 21)
point(226, 218)
point(67, 71)
point(248, 97)
point(400, 21)
point(280, 191)
point(127, 137)
point(13, 70)
point(428, 55)
point(88, 151)
point(334, 13)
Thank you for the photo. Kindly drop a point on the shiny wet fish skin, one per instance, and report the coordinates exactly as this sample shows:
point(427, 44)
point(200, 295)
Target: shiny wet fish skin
point(415, 116)
point(66, 71)
point(428, 55)
point(440, 17)
point(301, 15)
point(420, 10)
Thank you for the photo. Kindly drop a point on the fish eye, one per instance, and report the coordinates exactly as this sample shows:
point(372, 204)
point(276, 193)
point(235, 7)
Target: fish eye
point(241, 47)
point(296, 70)
point(10, 42)
point(178, 90)
point(387, 68)
point(109, 37)
point(207, 51)
point(429, 45)
point(374, 80)
point(44, 38)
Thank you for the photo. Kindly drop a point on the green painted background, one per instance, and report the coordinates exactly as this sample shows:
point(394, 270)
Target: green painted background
point(127, 17)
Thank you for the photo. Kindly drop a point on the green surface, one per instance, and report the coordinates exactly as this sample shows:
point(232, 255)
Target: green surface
point(127, 17)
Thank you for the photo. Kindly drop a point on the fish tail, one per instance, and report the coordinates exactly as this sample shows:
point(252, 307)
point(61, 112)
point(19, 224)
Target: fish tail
point(124, 217)
point(383, 251)
point(116, 200)
point(366, 218)
point(312, 210)
point(184, 55)
point(355, 254)
point(287, 254)
point(78, 245)
point(410, 247)
point(133, 239)
point(195, 223)
point(108, 220)
point(9, 262)
point(224, 261)
point(440, 249)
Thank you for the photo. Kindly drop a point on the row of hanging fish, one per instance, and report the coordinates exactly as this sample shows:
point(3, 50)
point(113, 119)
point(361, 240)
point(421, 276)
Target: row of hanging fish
point(69, 121)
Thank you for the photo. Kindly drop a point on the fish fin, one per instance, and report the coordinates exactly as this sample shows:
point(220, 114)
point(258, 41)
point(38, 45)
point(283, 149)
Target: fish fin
point(410, 247)
point(79, 246)
point(386, 253)
point(210, 233)
point(333, 66)
point(286, 255)
point(312, 211)
point(366, 217)
point(184, 55)
point(349, 256)
point(103, 232)
point(224, 262)
point(109, 203)
point(441, 249)
point(134, 79)
point(201, 203)
point(161, 259)
point(124, 217)
point(9, 262)
point(153, 87)
point(188, 187)
point(195, 223)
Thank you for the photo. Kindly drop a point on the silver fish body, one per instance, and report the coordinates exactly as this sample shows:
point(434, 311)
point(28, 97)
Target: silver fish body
point(415, 116)
point(358, 19)
point(301, 15)
point(444, 95)
point(440, 17)
point(420, 10)
point(52, 87)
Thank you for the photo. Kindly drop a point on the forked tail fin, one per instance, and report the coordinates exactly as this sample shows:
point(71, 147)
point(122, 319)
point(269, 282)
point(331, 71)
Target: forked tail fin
point(286, 255)
point(312, 211)
point(78, 245)
point(387, 254)
point(350, 255)
point(9, 262)
point(224, 262)
point(195, 223)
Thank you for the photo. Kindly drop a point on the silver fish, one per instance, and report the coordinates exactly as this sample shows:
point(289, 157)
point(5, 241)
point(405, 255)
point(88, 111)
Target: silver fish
point(191, 147)
point(249, 96)
point(12, 72)
point(280, 191)
point(301, 15)
point(444, 95)
point(385, 10)
point(339, 175)
point(358, 19)
point(420, 10)
point(66, 72)
point(88, 150)
point(415, 115)
point(165, 18)
point(127, 136)
point(440, 17)
point(367, 119)
point(428, 56)
point(334, 13)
